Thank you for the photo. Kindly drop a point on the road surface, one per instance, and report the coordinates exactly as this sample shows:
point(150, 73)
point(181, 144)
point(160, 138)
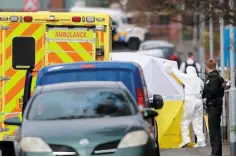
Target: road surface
point(205, 151)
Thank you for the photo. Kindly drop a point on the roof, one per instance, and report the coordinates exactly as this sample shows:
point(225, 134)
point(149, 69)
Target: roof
point(81, 85)
point(72, 66)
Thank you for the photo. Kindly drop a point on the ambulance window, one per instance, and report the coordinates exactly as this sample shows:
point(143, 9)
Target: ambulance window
point(23, 52)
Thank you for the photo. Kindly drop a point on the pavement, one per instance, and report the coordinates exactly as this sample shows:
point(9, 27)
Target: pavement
point(205, 151)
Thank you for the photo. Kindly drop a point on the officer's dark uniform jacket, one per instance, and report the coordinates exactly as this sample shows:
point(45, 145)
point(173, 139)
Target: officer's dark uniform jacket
point(214, 92)
point(214, 89)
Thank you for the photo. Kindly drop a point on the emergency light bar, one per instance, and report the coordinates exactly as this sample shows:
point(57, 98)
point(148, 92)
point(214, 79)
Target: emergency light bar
point(52, 18)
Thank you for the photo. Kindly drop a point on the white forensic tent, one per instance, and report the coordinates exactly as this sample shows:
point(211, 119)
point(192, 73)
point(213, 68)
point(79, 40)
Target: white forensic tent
point(158, 81)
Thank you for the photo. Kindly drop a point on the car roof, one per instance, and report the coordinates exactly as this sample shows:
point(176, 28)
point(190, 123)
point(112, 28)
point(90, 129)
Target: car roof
point(104, 64)
point(80, 85)
point(158, 42)
point(152, 52)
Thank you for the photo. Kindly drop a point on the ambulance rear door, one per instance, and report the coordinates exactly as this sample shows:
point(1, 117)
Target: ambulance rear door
point(22, 47)
point(66, 44)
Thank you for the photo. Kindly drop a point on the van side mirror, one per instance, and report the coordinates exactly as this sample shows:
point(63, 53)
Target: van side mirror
point(13, 121)
point(157, 102)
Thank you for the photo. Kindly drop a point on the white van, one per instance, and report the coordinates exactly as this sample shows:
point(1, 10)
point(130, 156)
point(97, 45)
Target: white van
point(123, 32)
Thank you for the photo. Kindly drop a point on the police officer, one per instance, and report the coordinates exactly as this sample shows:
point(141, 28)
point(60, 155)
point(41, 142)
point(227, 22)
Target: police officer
point(213, 94)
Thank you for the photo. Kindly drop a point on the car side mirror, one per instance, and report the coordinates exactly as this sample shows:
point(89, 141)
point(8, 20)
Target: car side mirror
point(149, 113)
point(13, 121)
point(157, 102)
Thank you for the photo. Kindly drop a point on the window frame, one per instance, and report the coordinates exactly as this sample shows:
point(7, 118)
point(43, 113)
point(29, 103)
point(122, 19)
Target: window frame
point(14, 62)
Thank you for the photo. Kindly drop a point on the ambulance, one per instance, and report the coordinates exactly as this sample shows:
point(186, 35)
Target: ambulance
point(39, 39)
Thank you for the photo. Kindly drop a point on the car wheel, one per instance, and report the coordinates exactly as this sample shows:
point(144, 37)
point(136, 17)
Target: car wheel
point(155, 131)
point(133, 43)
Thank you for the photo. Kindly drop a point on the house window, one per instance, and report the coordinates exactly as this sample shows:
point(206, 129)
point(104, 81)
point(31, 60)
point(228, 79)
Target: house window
point(23, 52)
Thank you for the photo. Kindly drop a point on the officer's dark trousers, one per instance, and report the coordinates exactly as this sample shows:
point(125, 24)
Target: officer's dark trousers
point(214, 114)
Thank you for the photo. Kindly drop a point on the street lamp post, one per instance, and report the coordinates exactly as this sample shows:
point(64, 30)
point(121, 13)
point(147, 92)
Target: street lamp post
point(211, 34)
point(223, 121)
point(202, 43)
point(232, 107)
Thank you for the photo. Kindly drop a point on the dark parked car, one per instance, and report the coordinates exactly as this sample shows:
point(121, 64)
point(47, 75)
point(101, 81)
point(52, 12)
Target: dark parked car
point(130, 74)
point(168, 49)
point(83, 118)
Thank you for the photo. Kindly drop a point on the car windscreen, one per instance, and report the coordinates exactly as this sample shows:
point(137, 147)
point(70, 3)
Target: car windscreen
point(81, 103)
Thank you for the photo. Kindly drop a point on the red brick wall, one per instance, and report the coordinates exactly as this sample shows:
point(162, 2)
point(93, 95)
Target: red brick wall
point(57, 5)
point(174, 29)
